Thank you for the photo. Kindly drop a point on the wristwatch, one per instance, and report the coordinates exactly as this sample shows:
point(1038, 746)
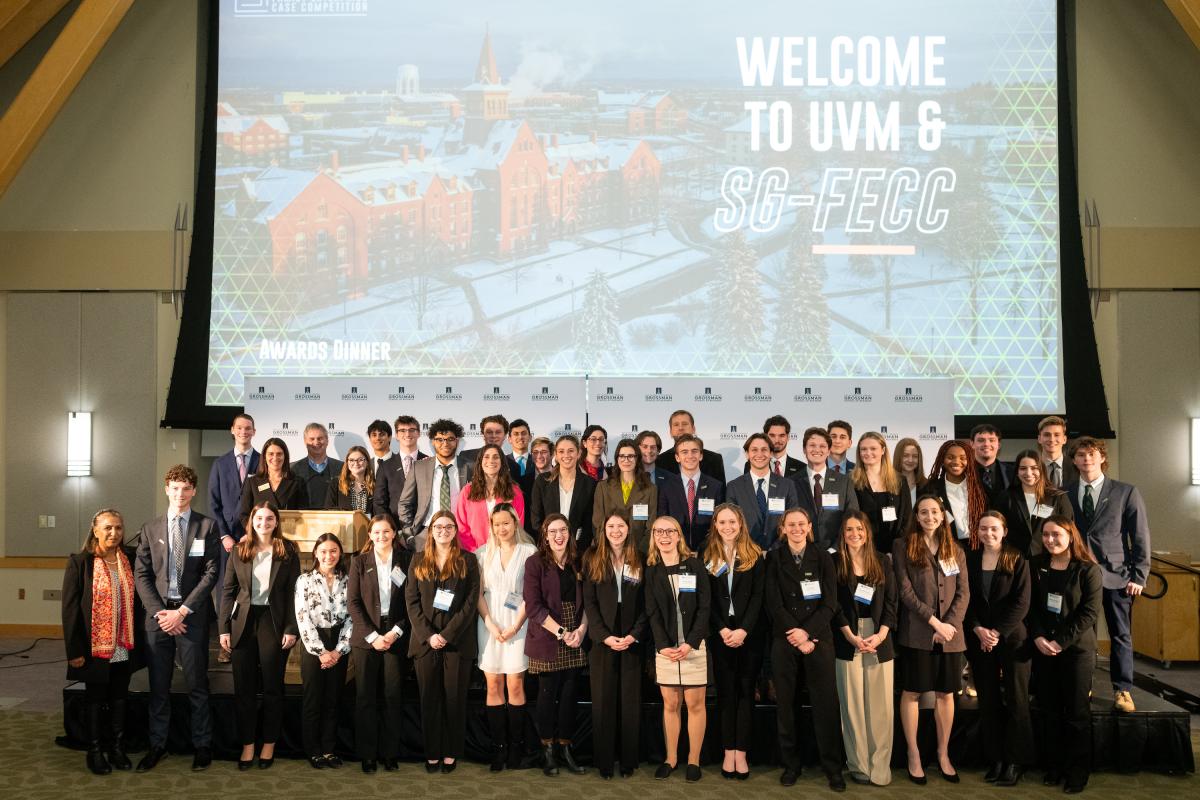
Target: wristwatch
point(561, 632)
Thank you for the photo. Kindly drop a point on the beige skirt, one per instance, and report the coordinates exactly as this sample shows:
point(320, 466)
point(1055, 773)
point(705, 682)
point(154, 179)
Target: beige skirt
point(691, 671)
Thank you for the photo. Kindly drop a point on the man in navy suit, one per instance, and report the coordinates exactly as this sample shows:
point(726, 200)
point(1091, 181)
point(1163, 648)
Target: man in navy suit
point(841, 436)
point(1111, 516)
point(391, 474)
point(760, 493)
point(224, 495)
point(520, 461)
point(824, 493)
point(689, 495)
point(1052, 440)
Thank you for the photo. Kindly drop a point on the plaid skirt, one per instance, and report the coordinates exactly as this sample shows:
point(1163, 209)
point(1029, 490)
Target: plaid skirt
point(566, 657)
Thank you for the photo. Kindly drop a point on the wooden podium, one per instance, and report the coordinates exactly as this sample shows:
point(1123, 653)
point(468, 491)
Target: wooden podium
point(304, 528)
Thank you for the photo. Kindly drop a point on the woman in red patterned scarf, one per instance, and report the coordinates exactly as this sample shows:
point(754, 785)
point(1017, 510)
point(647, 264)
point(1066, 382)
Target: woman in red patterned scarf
point(101, 614)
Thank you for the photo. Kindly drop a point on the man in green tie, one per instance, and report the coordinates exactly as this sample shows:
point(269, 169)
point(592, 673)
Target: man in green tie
point(434, 483)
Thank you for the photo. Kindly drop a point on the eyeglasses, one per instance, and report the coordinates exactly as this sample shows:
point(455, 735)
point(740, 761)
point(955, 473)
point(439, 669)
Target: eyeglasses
point(443, 528)
point(356, 461)
point(662, 531)
point(444, 439)
point(626, 455)
point(405, 431)
point(595, 440)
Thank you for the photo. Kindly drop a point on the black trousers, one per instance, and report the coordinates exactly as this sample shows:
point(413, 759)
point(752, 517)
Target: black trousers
point(819, 678)
point(1063, 682)
point(115, 689)
point(259, 653)
point(616, 704)
point(736, 672)
point(377, 725)
point(442, 676)
point(193, 658)
point(1002, 681)
point(554, 715)
point(322, 691)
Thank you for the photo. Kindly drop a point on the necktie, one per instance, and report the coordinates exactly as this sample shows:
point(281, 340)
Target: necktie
point(817, 493)
point(444, 493)
point(407, 462)
point(987, 477)
point(1089, 504)
point(521, 464)
point(777, 470)
point(1055, 475)
point(242, 467)
point(691, 497)
point(178, 551)
point(761, 496)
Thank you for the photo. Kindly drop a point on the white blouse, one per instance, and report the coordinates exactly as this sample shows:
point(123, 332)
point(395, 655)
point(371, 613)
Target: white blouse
point(318, 606)
point(260, 578)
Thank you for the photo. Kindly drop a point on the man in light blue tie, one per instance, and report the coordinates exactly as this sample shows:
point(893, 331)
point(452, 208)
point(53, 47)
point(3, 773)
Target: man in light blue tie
point(520, 463)
point(225, 481)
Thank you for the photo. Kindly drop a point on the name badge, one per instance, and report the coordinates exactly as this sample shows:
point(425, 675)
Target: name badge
point(705, 506)
point(1054, 602)
point(442, 599)
point(889, 513)
point(811, 590)
point(775, 505)
point(687, 582)
point(513, 601)
point(197, 548)
point(262, 487)
point(398, 576)
point(627, 575)
point(724, 568)
point(949, 567)
point(829, 500)
point(641, 512)
point(832, 551)
point(864, 593)
point(1042, 512)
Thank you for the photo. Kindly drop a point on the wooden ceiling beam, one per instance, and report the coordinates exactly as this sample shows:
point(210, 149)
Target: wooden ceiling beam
point(53, 81)
point(20, 20)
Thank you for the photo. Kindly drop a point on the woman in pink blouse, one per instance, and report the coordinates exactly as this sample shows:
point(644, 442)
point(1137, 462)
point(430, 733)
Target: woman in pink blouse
point(490, 484)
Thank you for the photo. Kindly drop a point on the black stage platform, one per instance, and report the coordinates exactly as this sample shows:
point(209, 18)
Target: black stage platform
point(1157, 737)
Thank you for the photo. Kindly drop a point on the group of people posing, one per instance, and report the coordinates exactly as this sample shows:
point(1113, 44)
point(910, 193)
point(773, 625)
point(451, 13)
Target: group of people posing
point(827, 572)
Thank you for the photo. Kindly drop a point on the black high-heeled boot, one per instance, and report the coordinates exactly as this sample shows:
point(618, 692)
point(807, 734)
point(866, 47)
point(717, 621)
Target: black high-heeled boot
point(96, 761)
point(569, 758)
point(549, 763)
point(516, 737)
point(117, 758)
point(497, 726)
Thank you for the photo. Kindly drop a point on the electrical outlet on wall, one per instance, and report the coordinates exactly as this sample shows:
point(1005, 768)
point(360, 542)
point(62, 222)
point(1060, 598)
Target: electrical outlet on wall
point(20, 594)
point(41, 520)
point(50, 521)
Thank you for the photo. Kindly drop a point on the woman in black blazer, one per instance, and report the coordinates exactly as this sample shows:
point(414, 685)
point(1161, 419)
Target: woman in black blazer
point(273, 482)
point(615, 602)
point(1029, 502)
point(998, 650)
point(443, 604)
point(955, 481)
point(1067, 589)
point(102, 629)
point(677, 605)
point(566, 478)
point(882, 492)
point(736, 568)
point(258, 624)
point(378, 638)
point(862, 644)
point(801, 598)
point(352, 490)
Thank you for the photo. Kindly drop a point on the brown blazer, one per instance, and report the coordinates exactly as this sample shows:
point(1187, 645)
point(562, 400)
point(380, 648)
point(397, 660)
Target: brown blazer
point(281, 594)
point(926, 591)
point(609, 499)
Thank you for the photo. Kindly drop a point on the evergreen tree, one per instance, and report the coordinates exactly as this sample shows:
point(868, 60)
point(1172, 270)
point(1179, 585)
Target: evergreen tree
point(801, 330)
point(735, 319)
point(596, 330)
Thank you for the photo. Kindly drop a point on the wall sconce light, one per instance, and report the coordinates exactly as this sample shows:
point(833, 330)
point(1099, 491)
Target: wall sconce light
point(1195, 451)
point(79, 444)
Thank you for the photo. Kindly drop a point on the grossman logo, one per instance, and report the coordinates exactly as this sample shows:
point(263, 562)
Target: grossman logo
point(544, 396)
point(857, 396)
point(609, 396)
point(933, 435)
point(284, 431)
point(334, 433)
point(402, 395)
point(890, 437)
point(449, 394)
point(757, 396)
point(807, 396)
point(659, 396)
point(496, 396)
point(354, 394)
point(731, 435)
point(262, 394)
point(909, 396)
point(308, 394)
point(708, 396)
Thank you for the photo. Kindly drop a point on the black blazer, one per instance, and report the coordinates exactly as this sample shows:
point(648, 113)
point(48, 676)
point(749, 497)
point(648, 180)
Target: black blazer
point(937, 488)
point(710, 463)
point(883, 612)
point(579, 515)
point(457, 625)
point(885, 533)
point(747, 601)
point(1074, 628)
point(1003, 472)
point(785, 598)
point(1003, 608)
point(693, 606)
point(606, 617)
point(315, 484)
point(77, 619)
point(281, 594)
point(672, 501)
point(389, 482)
point(1024, 530)
point(362, 600)
point(289, 495)
point(335, 499)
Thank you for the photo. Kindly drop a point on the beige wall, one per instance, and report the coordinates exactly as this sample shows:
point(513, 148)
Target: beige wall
point(94, 206)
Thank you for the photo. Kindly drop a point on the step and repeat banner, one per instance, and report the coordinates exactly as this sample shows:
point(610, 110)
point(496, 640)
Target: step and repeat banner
point(727, 410)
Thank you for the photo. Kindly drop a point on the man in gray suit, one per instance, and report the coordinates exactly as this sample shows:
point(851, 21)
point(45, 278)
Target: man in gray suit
point(175, 570)
point(434, 483)
point(761, 494)
point(825, 493)
point(1111, 516)
point(316, 472)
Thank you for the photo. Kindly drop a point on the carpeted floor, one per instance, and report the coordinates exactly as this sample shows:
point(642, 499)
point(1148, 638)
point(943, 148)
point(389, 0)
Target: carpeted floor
point(32, 767)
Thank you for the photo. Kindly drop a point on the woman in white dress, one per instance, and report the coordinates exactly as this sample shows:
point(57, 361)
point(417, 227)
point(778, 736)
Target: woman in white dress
point(502, 632)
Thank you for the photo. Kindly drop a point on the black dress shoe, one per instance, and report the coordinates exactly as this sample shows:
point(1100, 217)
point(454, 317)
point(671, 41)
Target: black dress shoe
point(627, 772)
point(332, 761)
point(448, 768)
point(202, 760)
point(117, 758)
point(951, 777)
point(693, 773)
point(432, 766)
point(664, 771)
point(568, 759)
point(860, 779)
point(1010, 776)
point(390, 764)
point(369, 766)
point(606, 774)
point(993, 773)
point(836, 782)
point(265, 763)
point(789, 776)
point(1052, 778)
point(316, 762)
point(728, 774)
point(245, 765)
point(97, 762)
point(742, 776)
point(151, 759)
point(1075, 787)
point(919, 780)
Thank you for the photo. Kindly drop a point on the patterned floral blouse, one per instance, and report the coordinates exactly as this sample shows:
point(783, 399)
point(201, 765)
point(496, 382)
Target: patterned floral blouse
point(318, 607)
